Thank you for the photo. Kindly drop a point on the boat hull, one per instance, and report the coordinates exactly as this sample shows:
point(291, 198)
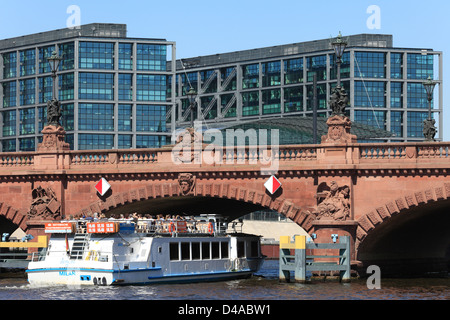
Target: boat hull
point(77, 276)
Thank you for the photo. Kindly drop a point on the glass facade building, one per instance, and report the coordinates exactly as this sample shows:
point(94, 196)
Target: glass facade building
point(384, 84)
point(119, 92)
point(114, 90)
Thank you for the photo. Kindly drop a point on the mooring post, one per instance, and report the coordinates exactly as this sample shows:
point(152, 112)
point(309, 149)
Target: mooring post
point(345, 259)
point(284, 273)
point(300, 259)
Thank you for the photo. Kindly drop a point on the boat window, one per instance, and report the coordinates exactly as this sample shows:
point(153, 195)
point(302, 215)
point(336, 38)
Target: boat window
point(215, 250)
point(241, 249)
point(205, 250)
point(185, 251)
point(224, 249)
point(195, 250)
point(174, 254)
point(254, 249)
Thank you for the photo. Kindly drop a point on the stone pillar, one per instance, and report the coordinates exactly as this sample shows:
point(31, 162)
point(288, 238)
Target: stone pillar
point(339, 131)
point(48, 197)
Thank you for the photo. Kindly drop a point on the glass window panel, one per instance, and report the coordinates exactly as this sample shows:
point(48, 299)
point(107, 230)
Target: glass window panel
point(96, 86)
point(27, 144)
point(345, 66)
point(226, 100)
point(321, 96)
point(293, 71)
point(9, 94)
point(271, 73)
point(417, 96)
point(271, 101)
point(370, 94)
point(67, 118)
point(44, 54)
point(66, 87)
point(397, 123)
point(27, 119)
point(226, 75)
point(125, 141)
point(151, 87)
point(125, 56)
point(9, 123)
point(125, 87)
point(95, 141)
point(150, 141)
point(27, 91)
point(9, 145)
point(250, 76)
point(9, 65)
point(372, 118)
point(151, 57)
point(419, 66)
point(96, 55)
point(415, 124)
point(317, 65)
point(124, 117)
point(293, 99)
point(207, 102)
point(370, 64)
point(211, 86)
point(151, 118)
point(45, 89)
point(27, 62)
point(396, 65)
point(96, 116)
point(250, 103)
point(67, 51)
point(396, 95)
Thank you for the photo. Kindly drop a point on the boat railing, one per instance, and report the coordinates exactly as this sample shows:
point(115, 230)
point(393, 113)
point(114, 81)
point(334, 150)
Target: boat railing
point(151, 226)
point(88, 255)
point(164, 226)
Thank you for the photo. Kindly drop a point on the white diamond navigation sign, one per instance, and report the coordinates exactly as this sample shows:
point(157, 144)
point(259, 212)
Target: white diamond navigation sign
point(272, 185)
point(102, 186)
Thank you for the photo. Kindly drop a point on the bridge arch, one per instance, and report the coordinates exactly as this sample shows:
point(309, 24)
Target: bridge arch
point(15, 216)
point(118, 202)
point(410, 232)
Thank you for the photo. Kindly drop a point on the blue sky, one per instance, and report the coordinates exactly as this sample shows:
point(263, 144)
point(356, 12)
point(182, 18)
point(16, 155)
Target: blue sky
point(202, 27)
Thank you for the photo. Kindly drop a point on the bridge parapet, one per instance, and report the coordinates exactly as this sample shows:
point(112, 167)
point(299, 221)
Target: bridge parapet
point(287, 155)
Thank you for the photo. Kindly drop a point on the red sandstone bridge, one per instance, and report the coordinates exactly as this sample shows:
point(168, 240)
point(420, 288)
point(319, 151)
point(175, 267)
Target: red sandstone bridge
point(393, 199)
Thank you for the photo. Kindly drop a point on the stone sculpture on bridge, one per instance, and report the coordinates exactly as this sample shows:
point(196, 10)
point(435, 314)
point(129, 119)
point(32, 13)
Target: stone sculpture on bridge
point(186, 182)
point(333, 202)
point(429, 130)
point(45, 205)
point(53, 113)
point(338, 101)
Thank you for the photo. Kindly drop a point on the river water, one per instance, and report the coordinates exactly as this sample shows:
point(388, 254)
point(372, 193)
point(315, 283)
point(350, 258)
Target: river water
point(263, 286)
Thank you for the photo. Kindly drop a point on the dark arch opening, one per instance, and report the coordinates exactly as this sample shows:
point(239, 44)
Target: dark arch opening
point(188, 205)
point(7, 226)
point(413, 242)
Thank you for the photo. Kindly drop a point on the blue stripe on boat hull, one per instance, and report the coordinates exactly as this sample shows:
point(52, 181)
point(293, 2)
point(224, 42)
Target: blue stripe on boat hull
point(190, 278)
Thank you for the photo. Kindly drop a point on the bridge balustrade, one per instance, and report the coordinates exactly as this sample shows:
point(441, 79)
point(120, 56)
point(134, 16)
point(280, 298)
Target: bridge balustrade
point(350, 153)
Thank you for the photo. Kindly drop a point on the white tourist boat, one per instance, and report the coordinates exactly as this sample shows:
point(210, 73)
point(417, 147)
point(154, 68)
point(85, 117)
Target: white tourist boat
point(145, 252)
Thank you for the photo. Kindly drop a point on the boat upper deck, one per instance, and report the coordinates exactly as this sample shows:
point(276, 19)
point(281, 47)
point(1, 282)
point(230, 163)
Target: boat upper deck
point(208, 225)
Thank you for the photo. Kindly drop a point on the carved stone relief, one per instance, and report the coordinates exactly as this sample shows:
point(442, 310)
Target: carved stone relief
point(333, 202)
point(186, 182)
point(45, 205)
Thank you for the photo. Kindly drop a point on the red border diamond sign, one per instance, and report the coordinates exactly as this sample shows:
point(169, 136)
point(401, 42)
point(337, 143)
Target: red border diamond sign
point(102, 186)
point(272, 185)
